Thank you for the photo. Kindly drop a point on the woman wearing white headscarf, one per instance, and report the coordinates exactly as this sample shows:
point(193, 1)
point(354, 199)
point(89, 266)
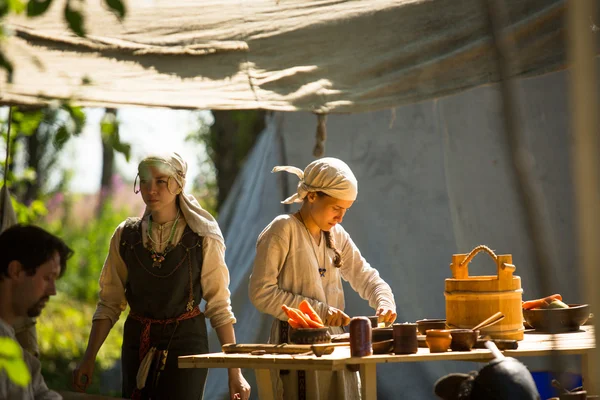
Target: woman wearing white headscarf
point(162, 265)
point(305, 256)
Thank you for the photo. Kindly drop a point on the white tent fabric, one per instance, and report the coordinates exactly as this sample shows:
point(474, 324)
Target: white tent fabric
point(435, 179)
point(287, 55)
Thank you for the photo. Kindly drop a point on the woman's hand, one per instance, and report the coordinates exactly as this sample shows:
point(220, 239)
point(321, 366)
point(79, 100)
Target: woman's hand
point(336, 317)
point(386, 315)
point(239, 389)
point(82, 375)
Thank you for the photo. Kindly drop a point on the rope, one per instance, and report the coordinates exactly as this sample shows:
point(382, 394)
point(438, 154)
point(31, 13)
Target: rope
point(7, 145)
point(319, 149)
point(475, 251)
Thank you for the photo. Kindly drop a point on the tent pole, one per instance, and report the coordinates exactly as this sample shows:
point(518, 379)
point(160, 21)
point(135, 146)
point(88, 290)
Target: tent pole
point(583, 90)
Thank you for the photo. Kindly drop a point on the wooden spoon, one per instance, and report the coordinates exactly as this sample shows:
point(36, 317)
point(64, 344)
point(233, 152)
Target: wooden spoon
point(490, 321)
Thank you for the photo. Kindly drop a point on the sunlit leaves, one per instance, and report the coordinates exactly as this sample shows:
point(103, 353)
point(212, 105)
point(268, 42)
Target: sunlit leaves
point(11, 361)
point(16, 6)
point(109, 128)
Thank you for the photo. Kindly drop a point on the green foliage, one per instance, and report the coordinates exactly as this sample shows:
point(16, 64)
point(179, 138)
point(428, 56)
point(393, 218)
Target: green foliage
point(31, 214)
point(90, 242)
point(11, 361)
point(109, 128)
point(63, 329)
point(64, 326)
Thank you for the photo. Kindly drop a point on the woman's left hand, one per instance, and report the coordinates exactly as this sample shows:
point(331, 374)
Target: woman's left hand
point(386, 315)
point(239, 389)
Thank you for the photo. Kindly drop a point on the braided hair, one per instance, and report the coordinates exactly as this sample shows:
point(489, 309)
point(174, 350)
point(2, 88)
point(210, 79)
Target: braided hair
point(330, 242)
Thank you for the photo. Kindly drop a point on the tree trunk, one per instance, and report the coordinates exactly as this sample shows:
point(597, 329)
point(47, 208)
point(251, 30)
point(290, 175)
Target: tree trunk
point(233, 134)
point(32, 149)
point(108, 164)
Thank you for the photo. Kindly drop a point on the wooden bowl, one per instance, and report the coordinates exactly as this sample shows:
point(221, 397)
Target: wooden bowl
point(309, 335)
point(424, 324)
point(383, 347)
point(558, 319)
point(463, 339)
point(438, 340)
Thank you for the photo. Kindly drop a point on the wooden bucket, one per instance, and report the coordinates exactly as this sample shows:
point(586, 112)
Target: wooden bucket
point(472, 299)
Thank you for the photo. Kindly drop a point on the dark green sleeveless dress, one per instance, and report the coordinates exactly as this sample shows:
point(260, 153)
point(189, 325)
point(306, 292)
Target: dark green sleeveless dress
point(160, 294)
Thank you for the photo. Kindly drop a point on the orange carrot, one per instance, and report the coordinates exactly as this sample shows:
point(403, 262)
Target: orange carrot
point(537, 303)
point(294, 324)
point(296, 315)
point(306, 308)
point(311, 323)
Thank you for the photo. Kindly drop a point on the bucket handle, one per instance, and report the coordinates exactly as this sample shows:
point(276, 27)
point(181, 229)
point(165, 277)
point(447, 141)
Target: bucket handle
point(460, 263)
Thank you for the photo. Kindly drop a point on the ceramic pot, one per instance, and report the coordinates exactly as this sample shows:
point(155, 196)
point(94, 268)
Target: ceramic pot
point(438, 340)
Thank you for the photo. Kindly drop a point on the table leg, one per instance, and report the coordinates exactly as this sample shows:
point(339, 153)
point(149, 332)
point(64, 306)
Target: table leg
point(368, 381)
point(265, 384)
point(586, 373)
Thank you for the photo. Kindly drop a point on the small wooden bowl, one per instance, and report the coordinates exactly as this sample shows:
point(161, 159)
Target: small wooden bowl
point(424, 324)
point(309, 335)
point(463, 339)
point(438, 340)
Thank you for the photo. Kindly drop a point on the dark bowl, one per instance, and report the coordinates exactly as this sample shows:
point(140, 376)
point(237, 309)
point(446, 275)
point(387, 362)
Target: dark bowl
point(381, 334)
point(558, 319)
point(463, 339)
point(383, 347)
point(309, 335)
point(425, 324)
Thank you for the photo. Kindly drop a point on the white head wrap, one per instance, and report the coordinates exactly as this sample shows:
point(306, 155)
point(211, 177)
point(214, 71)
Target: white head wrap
point(197, 218)
point(329, 175)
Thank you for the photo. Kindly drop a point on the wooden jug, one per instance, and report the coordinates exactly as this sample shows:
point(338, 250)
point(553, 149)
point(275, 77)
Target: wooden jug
point(472, 299)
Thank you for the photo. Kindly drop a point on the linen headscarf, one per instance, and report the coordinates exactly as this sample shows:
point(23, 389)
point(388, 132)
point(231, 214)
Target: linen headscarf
point(329, 175)
point(198, 219)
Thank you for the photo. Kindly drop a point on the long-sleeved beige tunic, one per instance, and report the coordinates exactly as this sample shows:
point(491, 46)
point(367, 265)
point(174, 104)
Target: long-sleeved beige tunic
point(286, 271)
point(214, 278)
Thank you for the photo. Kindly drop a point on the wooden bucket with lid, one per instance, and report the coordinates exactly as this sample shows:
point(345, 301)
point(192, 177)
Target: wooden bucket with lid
point(472, 299)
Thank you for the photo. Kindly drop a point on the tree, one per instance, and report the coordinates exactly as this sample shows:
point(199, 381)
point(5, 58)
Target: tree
point(228, 142)
point(111, 142)
point(36, 137)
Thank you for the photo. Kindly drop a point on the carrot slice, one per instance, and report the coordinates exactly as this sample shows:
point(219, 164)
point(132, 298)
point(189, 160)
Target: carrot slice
point(307, 309)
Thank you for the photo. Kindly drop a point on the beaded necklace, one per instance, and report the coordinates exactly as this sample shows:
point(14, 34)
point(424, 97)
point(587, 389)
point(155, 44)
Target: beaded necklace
point(312, 245)
point(159, 257)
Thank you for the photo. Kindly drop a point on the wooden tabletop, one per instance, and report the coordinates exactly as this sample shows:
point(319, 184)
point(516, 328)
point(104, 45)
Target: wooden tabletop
point(534, 344)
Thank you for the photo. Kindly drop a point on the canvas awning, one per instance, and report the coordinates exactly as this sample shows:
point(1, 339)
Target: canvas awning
point(322, 56)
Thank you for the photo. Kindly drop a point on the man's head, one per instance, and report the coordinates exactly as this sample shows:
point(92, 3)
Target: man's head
point(31, 260)
point(501, 379)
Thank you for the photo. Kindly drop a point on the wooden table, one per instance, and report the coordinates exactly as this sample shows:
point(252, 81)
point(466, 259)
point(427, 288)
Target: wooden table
point(576, 343)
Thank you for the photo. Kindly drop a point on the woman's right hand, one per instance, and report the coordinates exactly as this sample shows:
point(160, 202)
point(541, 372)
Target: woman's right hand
point(336, 317)
point(82, 375)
